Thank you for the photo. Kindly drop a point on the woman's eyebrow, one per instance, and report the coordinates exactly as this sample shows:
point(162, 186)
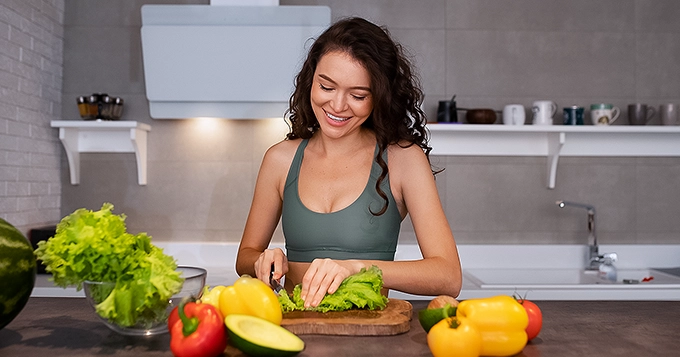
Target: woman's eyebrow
point(332, 81)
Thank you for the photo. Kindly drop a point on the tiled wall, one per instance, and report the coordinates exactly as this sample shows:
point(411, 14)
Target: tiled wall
point(31, 42)
point(487, 52)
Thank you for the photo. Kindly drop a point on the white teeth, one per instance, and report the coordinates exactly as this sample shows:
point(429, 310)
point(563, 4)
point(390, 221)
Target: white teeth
point(336, 118)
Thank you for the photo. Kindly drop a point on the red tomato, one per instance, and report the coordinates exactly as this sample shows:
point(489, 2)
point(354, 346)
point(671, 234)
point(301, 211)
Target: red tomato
point(174, 317)
point(535, 318)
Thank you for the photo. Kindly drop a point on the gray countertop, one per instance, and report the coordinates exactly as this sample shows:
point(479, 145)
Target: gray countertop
point(68, 327)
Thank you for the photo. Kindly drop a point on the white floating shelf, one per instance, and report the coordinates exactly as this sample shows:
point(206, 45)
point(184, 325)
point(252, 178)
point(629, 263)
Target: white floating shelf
point(553, 141)
point(103, 136)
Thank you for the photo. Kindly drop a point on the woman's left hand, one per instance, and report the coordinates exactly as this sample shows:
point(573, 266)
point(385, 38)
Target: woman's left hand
point(325, 276)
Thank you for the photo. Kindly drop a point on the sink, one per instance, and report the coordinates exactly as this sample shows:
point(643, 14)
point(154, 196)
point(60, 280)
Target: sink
point(569, 278)
point(652, 276)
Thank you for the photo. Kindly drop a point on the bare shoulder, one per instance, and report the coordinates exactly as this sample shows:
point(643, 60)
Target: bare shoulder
point(409, 172)
point(402, 156)
point(407, 165)
point(281, 154)
point(275, 165)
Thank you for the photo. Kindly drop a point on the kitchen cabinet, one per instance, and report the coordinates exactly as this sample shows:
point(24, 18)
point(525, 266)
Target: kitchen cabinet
point(553, 141)
point(80, 136)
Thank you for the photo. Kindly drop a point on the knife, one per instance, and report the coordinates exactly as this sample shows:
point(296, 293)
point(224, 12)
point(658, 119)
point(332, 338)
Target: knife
point(275, 284)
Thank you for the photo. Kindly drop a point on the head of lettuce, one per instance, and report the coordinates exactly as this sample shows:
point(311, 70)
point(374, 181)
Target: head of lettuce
point(95, 246)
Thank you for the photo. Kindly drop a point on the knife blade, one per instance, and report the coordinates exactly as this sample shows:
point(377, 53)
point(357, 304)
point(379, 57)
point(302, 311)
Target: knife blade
point(275, 284)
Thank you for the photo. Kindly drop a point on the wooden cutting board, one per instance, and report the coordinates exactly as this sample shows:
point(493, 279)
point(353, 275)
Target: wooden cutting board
point(392, 320)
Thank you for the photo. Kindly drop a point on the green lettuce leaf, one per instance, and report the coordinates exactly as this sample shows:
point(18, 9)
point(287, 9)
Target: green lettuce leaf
point(359, 291)
point(287, 305)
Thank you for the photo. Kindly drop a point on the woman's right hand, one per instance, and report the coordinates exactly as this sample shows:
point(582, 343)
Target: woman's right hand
point(271, 258)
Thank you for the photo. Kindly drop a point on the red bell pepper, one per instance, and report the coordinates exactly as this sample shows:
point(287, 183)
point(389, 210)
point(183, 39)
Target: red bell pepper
point(199, 332)
point(174, 314)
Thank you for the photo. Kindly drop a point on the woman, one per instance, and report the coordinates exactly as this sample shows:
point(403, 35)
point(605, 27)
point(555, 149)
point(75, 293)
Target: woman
point(353, 165)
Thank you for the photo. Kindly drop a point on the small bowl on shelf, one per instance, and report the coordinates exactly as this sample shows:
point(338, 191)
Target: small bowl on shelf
point(480, 116)
point(152, 321)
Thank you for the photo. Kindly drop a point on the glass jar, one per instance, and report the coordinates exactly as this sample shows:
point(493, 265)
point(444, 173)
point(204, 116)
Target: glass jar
point(84, 108)
point(106, 109)
point(93, 106)
point(117, 110)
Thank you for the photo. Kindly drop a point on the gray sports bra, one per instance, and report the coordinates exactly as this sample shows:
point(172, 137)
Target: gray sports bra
point(350, 233)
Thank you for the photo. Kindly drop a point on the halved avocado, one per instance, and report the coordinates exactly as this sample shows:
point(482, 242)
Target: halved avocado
point(255, 336)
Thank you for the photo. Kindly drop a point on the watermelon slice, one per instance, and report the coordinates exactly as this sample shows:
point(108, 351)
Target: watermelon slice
point(17, 272)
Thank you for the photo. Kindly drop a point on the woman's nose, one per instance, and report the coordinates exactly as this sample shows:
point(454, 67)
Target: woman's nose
point(338, 103)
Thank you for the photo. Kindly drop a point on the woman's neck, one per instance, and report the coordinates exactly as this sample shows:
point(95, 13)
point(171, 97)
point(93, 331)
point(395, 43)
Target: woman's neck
point(347, 145)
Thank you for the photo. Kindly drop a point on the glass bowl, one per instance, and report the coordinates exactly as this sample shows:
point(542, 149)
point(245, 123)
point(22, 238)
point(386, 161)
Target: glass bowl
point(154, 323)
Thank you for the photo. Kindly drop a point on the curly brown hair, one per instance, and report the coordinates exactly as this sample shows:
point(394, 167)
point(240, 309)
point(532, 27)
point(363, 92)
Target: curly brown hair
point(396, 117)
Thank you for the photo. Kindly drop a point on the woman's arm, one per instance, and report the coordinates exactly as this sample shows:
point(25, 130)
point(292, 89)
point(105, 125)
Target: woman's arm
point(414, 188)
point(253, 256)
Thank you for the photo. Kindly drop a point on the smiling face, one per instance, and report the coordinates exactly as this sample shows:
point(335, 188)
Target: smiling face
point(341, 94)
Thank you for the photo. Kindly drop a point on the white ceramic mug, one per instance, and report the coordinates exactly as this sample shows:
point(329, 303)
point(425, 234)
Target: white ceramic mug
point(604, 114)
point(513, 114)
point(544, 111)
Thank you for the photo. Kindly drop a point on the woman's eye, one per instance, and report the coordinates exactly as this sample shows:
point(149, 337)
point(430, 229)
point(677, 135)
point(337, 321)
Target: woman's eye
point(359, 97)
point(324, 88)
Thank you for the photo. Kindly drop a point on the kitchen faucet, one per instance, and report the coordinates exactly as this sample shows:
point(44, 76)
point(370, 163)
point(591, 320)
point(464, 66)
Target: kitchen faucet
point(595, 260)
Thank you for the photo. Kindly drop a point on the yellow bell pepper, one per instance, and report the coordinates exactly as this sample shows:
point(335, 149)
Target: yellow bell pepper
point(212, 296)
point(250, 296)
point(453, 337)
point(502, 322)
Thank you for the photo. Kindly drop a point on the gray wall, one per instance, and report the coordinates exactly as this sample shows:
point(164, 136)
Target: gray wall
point(488, 52)
point(31, 42)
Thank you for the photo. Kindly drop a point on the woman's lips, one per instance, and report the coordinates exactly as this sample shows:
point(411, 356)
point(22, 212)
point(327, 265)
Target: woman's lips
point(336, 118)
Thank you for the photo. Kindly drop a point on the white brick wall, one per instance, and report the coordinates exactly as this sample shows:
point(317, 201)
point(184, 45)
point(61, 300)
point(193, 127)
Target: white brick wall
point(31, 65)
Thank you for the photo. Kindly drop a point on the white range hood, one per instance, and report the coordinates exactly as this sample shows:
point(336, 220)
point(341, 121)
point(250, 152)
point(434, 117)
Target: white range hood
point(236, 62)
